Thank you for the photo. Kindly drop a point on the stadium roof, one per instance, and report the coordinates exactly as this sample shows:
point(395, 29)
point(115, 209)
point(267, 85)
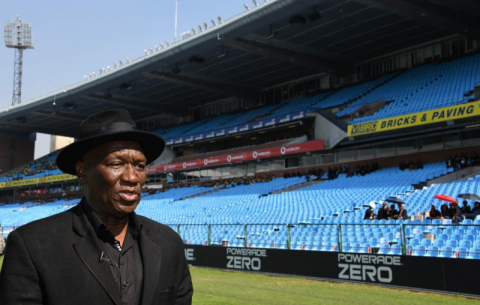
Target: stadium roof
point(274, 43)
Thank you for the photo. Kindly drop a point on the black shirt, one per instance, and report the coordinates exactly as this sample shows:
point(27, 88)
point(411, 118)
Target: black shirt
point(125, 261)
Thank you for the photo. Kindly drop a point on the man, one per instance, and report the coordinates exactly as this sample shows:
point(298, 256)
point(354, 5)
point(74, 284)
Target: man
point(434, 213)
point(369, 212)
point(393, 212)
point(403, 213)
point(475, 211)
point(99, 252)
point(382, 213)
point(466, 208)
point(456, 213)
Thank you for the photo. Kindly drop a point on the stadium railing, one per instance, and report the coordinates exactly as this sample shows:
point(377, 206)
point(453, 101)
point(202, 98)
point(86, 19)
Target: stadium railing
point(401, 238)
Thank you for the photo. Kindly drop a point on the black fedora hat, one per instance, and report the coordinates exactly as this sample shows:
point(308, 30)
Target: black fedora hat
point(108, 126)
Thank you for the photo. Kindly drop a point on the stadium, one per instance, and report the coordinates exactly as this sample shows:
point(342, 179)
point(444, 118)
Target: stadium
point(287, 128)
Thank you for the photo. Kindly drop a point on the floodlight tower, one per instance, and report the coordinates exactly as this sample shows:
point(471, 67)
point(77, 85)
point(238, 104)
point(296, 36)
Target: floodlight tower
point(18, 35)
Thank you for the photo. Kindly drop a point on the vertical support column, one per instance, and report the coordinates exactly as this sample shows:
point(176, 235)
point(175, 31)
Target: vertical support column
point(339, 230)
point(289, 242)
point(209, 234)
point(404, 240)
point(245, 231)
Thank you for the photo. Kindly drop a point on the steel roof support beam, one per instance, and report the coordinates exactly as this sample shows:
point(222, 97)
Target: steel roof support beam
point(213, 85)
point(295, 57)
point(437, 15)
point(71, 117)
point(137, 104)
point(67, 133)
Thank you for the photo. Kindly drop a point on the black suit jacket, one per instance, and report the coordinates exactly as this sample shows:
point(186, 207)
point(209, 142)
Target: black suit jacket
point(55, 260)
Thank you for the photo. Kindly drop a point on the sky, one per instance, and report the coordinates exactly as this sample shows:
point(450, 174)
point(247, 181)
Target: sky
point(75, 38)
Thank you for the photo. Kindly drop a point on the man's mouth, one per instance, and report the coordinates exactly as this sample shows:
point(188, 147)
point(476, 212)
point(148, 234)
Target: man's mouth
point(128, 196)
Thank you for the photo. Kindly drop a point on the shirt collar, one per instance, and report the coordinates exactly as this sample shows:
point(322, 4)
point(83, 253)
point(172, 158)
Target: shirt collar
point(134, 224)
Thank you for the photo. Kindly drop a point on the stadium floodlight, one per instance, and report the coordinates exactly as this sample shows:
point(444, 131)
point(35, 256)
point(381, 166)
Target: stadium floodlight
point(128, 60)
point(246, 7)
point(200, 29)
point(213, 22)
point(151, 50)
point(145, 51)
point(109, 69)
point(205, 25)
point(220, 19)
point(100, 71)
point(194, 31)
point(115, 65)
point(156, 48)
point(120, 62)
point(162, 45)
point(255, 2)
point(167, 42)
point(18, 36)
point(86, 78)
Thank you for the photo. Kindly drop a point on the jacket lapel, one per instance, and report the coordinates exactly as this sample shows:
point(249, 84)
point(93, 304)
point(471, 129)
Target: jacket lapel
point(151, 258)
point(88, 250)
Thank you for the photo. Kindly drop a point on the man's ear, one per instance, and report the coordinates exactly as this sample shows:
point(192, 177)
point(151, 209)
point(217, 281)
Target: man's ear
point(80, 168)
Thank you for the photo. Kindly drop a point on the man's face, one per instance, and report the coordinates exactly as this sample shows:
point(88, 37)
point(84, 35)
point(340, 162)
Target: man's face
point(113, 175)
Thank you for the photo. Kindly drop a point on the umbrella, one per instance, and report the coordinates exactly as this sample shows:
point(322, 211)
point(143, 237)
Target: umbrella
point(395, 200)
point(469, 196)
point(446, 198)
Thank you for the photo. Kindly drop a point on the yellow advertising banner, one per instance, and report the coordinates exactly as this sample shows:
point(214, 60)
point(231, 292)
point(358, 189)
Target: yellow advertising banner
point(416, 119)
point(33, 181)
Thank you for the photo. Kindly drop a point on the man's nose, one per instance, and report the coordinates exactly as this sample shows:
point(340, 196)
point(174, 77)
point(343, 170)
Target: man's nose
point(130, 175)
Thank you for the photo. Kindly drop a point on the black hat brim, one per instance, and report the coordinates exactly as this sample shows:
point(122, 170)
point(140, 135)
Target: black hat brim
point(152, 147)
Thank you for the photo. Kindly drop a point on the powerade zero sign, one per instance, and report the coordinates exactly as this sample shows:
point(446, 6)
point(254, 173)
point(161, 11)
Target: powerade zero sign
point(367, 268)
point(245, 258)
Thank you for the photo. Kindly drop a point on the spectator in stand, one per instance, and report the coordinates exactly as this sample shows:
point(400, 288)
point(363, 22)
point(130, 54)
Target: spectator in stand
point(463, 161)
point(382, 213)
point(474, 158)
point(475, 211)
point(402, 166)
point(419, 164)
point(403, 213)
point(434, 213)
point(466, 208)
point(387, 211)
point(456, 213)
point(393, 213)
point(449, 162)
point(412, 166)
point(369, 212)
point(445, 211)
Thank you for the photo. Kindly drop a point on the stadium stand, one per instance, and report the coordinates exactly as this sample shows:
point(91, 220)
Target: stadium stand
point(427, 87)
point(423, 88)
point(42, 167)
point(323, 216)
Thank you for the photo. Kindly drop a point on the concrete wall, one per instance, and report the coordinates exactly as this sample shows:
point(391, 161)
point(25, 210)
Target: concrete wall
point(326, 130)
point(14, 153)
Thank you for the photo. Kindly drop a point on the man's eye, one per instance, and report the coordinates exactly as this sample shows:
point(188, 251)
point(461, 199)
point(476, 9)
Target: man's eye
point(141, 166)
point(116, 164)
